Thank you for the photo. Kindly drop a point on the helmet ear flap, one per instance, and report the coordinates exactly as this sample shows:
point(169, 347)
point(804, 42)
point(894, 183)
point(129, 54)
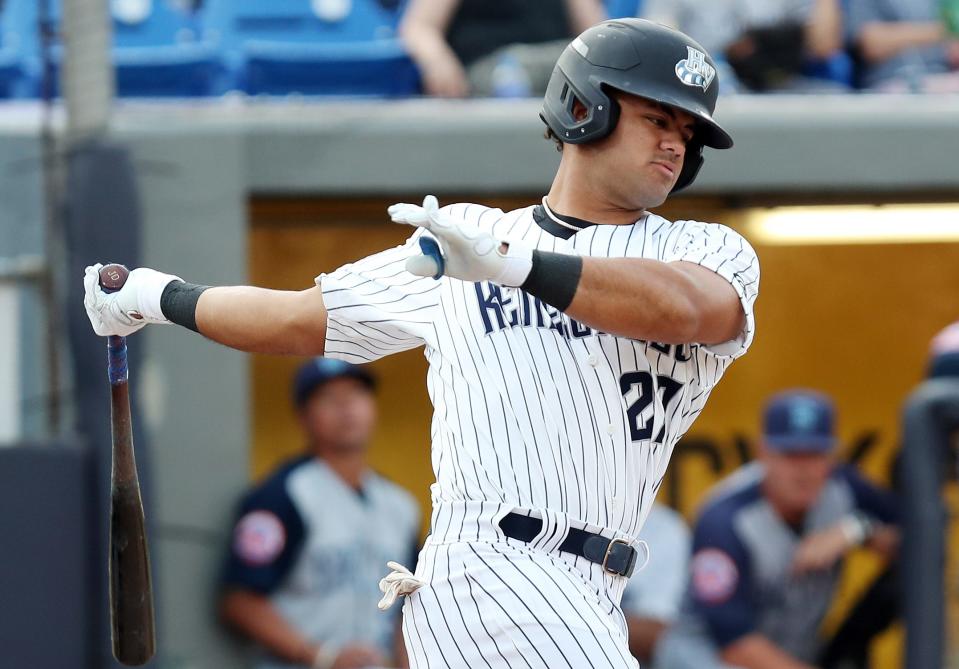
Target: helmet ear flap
point(559, 110)
point(692, 163)
point(612, 104)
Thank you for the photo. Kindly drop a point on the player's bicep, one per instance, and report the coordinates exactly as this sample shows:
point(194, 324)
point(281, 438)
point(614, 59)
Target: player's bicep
point(729, 258)
point(720, 311)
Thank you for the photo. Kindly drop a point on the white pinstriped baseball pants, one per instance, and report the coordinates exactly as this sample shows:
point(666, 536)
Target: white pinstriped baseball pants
point(493, 602)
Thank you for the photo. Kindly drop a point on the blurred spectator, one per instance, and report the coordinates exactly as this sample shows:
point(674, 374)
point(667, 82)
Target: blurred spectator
point(492, 47)
point(767, 43)
point(944, 353)
point(767, 554)
point(652, 597)
point(905, 45)
point(311, 541)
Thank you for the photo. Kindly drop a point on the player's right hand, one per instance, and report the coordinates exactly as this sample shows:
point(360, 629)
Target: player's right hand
point(460, 250)
point(130, 308)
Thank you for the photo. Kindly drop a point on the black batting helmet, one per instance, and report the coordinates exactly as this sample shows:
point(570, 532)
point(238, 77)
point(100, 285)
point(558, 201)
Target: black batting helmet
point(640, 58)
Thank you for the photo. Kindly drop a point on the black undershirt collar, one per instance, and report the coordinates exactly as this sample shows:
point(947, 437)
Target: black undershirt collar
point(558, 225)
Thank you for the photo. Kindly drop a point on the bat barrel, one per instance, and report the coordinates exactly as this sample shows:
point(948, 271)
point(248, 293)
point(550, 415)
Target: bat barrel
point(131, 589)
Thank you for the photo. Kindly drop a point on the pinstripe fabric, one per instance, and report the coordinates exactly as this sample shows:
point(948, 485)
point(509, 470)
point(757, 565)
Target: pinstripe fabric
point(534, 411)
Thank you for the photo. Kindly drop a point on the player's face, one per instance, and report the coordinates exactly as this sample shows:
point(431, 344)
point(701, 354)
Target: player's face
point(644, 155)
point(795, 480)
point(340, 416)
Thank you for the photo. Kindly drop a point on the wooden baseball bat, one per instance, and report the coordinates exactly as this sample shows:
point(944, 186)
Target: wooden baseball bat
point(131, 588)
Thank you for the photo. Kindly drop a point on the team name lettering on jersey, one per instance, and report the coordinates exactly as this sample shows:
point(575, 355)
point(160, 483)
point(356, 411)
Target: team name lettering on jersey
point(502, 308)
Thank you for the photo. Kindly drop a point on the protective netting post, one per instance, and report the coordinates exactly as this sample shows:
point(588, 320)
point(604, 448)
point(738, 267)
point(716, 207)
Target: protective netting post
point(930, 416)
point(86, 77)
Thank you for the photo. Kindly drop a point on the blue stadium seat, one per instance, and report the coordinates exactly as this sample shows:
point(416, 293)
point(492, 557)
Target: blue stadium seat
point(618, 9)
point(311, 47)
point(840, 69)
point(157, 51)
point(18, 41)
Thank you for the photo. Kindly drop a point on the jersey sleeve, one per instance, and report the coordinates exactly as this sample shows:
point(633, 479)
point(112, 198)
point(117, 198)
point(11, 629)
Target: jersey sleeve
point(265, 542)
point(720, 590)
point(870, 499)
point(725, 252)
point(375, 307)
point(657, 590)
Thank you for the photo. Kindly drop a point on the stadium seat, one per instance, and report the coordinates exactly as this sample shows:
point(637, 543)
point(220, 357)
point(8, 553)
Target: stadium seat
point(618, 9)
point(311, 47)
point(155, 48)
point(157, 52)
point(839, 69)
point(18, 40)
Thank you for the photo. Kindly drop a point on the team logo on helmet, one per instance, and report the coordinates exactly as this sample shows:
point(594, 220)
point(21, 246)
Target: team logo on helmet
point(694, 70)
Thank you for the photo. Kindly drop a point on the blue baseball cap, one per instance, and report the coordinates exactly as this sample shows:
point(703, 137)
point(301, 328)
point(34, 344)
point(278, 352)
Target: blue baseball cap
point(799, 421)
point(314, 373)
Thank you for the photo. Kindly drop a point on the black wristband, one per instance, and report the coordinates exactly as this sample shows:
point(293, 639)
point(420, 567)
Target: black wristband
point(554, 278)
point(178, 303)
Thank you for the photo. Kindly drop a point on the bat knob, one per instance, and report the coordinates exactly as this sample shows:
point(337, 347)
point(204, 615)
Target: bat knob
point(112, 277)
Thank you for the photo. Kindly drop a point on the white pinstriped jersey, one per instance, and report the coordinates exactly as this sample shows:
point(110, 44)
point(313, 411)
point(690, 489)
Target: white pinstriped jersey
point(532, 409)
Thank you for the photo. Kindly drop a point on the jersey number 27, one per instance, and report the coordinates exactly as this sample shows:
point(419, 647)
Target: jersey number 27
point(641, 421)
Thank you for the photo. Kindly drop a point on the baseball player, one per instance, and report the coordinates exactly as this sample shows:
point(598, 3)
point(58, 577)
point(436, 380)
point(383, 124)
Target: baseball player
point(570, 344)
point(310, 541)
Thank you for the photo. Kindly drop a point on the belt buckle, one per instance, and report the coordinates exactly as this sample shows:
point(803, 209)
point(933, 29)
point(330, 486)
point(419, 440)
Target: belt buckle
point(609, 551)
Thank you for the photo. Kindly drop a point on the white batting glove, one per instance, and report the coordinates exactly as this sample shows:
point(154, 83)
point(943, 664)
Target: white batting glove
point(130, 308)
point(460, 250)
point(400, 581)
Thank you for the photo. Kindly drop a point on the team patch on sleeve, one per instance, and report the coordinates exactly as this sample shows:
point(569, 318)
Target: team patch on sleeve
point(715, 576)
point(259, 538)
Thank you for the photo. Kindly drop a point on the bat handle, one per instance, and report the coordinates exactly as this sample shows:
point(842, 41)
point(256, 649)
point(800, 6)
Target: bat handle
point(117, 360)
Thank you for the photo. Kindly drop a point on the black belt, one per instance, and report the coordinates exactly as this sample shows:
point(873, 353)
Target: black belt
point(615, 555)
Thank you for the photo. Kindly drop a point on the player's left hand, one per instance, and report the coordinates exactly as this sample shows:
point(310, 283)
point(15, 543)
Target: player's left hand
point(460, 250)
point(821, 550)
point(130, 308)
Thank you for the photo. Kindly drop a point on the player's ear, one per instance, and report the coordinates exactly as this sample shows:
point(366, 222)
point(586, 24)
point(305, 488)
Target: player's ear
point(579, 110)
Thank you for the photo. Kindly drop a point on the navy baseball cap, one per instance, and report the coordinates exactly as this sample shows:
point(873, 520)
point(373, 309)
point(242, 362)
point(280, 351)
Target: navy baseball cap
point(799, 421)
point(314, 373)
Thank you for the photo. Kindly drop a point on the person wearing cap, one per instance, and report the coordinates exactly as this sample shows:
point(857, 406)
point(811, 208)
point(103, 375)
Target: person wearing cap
point(310, 541)
point(944, 353)
point(767, 552)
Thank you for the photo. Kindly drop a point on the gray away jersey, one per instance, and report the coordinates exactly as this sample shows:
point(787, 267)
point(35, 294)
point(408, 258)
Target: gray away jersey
point(532, 409)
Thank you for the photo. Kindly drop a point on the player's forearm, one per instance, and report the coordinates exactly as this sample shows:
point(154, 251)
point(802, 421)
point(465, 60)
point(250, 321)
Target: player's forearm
point(754, 651)
point(649, 300)
point(885, 540)
point(253, 616)
point(402, 658)
point(643, 635)
point(882, 40)
point(258, 320)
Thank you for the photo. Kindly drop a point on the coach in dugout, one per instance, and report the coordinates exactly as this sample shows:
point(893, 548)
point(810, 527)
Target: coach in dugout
point(767, 554)
point(310, 542)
